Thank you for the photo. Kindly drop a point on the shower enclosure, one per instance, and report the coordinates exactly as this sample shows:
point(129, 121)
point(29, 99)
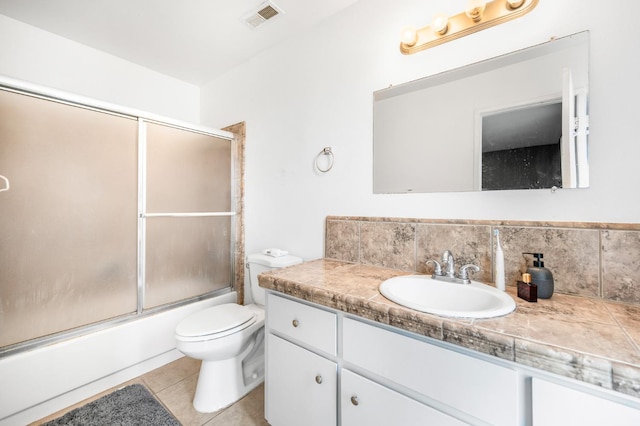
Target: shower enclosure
point(107, 216)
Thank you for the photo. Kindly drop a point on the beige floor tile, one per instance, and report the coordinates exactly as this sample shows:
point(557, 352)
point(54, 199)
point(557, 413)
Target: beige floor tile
point(174, 385)
point(249, 411)
point(172, 373)
point(179, 400)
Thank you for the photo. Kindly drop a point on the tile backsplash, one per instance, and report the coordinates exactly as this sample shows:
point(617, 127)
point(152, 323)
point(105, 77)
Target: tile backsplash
point(599, 260)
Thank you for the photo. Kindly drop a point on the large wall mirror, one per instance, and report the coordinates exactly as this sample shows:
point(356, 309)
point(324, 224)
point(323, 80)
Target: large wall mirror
point(518, 121)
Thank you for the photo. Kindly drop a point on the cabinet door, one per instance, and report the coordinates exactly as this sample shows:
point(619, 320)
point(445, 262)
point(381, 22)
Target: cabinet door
point(483, 390)
point(364, 402)
point(554, 404)
point(301, 387)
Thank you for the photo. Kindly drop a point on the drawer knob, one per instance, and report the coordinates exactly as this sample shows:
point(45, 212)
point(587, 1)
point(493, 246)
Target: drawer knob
point(295, 322)
point(319, 379)
point(354, 400)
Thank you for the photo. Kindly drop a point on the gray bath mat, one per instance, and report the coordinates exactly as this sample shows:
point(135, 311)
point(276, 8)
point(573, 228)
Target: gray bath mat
point(130, 406)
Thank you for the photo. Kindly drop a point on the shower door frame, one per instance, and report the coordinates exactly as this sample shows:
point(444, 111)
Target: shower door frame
point(48, 94)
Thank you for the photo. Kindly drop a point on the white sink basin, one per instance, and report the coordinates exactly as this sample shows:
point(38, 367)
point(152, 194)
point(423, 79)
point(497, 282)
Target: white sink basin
point(423, 293)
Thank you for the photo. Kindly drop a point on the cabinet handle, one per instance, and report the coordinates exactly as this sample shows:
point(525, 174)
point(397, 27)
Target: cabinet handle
point(319, 379)
point(295, 323)
point(354, 400)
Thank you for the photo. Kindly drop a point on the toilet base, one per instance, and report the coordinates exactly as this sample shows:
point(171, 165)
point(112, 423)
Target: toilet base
point(221, 383)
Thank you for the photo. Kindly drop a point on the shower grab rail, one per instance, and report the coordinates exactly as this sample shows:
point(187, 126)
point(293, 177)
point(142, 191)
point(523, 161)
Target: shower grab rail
point(200, 214)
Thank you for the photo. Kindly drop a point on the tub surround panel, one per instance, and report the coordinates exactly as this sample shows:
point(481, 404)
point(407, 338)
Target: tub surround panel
point(588, 339)
point(239, 131)
point(598, 260)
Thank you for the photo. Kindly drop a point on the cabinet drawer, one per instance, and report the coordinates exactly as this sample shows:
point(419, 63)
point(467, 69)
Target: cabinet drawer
point(304, 323)
point(555, 404)
point(479, 388)
point(364, 402)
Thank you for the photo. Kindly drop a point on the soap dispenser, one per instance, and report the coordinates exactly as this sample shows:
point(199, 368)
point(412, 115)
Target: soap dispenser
point(541, 276)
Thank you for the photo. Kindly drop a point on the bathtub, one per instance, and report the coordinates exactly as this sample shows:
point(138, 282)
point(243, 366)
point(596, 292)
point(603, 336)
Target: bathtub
point(41, 381)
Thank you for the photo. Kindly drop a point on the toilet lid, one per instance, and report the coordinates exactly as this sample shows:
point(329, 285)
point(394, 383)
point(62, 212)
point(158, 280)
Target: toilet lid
point(216, 319)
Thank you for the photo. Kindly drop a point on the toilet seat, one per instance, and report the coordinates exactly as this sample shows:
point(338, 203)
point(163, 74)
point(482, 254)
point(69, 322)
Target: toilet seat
point(215, 322)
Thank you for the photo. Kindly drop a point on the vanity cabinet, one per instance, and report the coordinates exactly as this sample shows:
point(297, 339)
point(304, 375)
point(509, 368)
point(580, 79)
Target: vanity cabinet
point(555, 404)
point(301, 370)
point(385, 377)
point(326, 367)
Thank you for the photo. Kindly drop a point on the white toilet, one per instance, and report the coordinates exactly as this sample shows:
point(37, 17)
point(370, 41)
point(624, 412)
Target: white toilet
point(229, 339)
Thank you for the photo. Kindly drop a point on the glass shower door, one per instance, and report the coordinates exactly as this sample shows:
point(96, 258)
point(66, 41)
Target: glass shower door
point(103, 216)
point(68, 229)
point(188, 215)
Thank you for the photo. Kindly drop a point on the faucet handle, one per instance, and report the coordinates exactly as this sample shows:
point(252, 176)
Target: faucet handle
point(464, 271)
point(437, 268)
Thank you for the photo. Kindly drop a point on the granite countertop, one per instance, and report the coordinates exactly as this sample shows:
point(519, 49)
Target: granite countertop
point(591, 340)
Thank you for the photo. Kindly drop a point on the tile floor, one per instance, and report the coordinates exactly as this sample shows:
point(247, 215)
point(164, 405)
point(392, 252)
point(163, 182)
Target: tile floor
point(175, 384)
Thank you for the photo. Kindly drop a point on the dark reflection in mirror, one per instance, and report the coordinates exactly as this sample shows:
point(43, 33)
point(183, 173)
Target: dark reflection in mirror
point(521, 148)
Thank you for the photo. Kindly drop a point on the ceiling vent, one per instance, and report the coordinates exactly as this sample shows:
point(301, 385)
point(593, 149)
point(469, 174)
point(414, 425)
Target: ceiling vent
point(265, 12)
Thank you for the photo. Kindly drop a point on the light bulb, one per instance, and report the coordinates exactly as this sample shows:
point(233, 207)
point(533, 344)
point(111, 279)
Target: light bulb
point(409, 36)
point(514, 4)
point(475, 9)
point(440, 23)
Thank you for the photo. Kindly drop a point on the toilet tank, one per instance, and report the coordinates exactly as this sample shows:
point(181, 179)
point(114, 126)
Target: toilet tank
point(259, 263)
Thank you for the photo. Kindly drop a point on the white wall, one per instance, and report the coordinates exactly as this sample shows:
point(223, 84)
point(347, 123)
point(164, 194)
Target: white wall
point(316, 91)
point(39, 57)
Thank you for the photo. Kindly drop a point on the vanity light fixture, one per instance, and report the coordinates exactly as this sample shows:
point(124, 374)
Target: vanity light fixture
point(478, 15)
point(475, 10)
point(440, 23)
point(514, 4)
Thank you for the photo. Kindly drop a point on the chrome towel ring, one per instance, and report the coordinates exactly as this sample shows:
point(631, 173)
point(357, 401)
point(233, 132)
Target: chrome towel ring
point(325, 152)
point(6, 183)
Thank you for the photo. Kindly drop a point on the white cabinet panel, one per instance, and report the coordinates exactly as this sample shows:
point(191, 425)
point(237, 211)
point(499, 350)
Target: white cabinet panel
point(482, 389)
point(554, 404)
point(304, 323)
point(301, 387)
point(364, 402)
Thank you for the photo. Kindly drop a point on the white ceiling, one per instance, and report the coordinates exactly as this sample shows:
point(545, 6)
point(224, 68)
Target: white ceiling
point(192, 40)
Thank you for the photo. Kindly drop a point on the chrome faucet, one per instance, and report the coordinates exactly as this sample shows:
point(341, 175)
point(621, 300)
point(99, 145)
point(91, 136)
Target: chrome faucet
point(449, 264)
point(449, 273)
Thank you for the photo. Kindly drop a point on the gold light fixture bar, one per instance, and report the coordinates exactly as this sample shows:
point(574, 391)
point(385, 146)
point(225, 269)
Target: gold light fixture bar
point(495, 12)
